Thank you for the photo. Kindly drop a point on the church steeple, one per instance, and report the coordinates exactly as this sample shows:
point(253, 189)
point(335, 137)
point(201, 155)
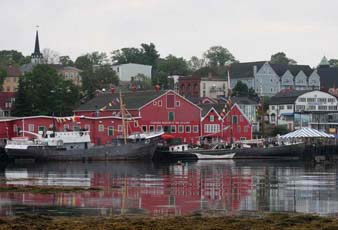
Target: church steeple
point(37, 55)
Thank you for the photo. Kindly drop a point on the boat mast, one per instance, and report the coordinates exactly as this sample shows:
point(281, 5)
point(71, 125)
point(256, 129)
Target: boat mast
point(123, 119)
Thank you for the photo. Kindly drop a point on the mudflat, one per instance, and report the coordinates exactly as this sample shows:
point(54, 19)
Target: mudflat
point(274, 221)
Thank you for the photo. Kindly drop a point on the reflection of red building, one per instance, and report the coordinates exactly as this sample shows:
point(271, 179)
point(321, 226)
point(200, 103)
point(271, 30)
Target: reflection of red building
point(193, 190)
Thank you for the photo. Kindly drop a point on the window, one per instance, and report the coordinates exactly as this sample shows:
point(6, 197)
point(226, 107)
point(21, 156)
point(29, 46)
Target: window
point(180, 129)
point(312, 107)
point(195, 129)
point(239, 129)
point(154, 103)
point(87, 127)
point(76, 128)
point(42, 129)
point(246, 129)
point(170, 101)
point(178, 103)
point(204, 85)
point(311, 99)
point(31, 127)
point(281, 107)
point(101, 128)
point(211, 118)
point(171, 116)
point(110, 131)
point(272, 107)
point(187, 129)
point(300, 107)
point(322, 100)
point(234, 119)
point(65, 127)
point(173, 129)
point(135, 124)
point(330, 100)
point(159, 103)
point(302, 99)
point(241, 118)
point(211, 128)
point(322, 107)
point(151, 128)
point(332, 107)
point(289, 107)
point(242, 138)
point(144, 128)
point(159, 128)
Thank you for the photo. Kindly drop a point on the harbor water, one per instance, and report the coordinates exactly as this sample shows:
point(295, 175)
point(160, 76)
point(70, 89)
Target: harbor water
point(158, 189)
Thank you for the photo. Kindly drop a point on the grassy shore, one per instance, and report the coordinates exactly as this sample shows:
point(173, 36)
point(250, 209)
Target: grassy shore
point(264, 221)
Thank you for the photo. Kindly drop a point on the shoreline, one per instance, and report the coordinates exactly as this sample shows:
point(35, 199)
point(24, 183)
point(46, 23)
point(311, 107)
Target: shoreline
point(250, 221)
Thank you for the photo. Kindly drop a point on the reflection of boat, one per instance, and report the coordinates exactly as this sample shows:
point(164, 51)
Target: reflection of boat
point(76, 145)
point(222, 151)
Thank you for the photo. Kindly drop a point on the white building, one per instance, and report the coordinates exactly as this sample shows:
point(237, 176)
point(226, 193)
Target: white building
point(213, 87)
point(127, 71)
point(296, 109)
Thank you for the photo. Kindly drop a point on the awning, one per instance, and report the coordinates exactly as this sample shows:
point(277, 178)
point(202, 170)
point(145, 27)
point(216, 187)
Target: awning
point(307, 132)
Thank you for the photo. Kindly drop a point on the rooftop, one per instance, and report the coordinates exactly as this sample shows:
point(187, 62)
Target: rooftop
point(287, 97)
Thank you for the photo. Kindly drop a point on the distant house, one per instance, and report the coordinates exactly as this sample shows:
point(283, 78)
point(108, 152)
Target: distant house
point(249, 107)
point(11, 82)
point(268, 79)
point(69, 73)
point(125, 72)
point(211, 86)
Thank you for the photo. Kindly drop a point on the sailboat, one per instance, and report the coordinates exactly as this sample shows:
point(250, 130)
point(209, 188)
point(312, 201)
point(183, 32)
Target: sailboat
point(77, 145)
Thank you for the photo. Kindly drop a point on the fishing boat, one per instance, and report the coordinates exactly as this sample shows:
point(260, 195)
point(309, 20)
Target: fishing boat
point(219, 151)
point(77, 145)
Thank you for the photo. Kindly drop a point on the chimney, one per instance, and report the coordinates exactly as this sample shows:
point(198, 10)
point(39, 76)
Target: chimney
point(209, 76)
point(254, 70)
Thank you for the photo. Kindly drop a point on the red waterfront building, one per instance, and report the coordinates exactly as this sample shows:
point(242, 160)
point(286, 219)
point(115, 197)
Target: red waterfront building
point(146, 111)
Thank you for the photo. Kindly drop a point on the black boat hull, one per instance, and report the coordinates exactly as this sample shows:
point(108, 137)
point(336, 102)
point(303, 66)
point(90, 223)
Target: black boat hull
point(129, 151)
point(285, 151)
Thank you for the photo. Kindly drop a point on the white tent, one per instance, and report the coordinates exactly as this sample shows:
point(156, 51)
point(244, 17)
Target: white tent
point(306, 132)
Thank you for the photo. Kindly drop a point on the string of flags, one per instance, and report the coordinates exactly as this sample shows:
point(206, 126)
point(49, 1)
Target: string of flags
point(65, 119)
point(111, 103)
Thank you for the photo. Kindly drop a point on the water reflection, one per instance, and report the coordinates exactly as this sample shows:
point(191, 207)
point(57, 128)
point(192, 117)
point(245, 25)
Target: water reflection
point(172, 189)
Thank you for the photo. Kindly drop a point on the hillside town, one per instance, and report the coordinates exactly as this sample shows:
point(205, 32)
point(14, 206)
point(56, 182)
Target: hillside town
point(230, 102)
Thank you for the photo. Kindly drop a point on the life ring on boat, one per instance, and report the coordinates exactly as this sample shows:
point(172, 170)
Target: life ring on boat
point(59, 143)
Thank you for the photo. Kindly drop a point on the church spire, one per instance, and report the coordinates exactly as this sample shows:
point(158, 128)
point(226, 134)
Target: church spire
point(37, 55)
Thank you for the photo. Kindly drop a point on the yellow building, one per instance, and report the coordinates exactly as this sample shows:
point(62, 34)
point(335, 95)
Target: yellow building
point(11, 82)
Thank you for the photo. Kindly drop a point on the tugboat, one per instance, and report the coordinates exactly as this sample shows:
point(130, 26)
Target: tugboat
point(77, 145)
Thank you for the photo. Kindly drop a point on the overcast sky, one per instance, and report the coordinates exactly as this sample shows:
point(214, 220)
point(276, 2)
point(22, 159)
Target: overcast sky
point(251, 29)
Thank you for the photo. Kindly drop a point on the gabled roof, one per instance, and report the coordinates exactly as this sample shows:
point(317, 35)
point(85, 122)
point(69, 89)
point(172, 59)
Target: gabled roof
point(211, 109)
point(287, 97)
point(206, 108)
point(243, 100)
point(244, 70)
point(132, 100)
point(280, 69)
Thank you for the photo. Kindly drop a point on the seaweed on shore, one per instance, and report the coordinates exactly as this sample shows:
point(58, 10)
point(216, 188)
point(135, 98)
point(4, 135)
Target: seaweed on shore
point(266, 221)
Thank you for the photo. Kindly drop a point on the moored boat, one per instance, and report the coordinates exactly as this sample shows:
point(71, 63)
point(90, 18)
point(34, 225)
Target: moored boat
point(76, 145)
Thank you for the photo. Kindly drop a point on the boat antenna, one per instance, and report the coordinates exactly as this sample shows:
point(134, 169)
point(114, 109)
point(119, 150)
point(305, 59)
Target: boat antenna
point(123, 119)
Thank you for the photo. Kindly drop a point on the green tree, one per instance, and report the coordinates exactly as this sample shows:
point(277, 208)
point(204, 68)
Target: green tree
point(98, 78)
point(3, 75)
point(147, 55)
point(66, 61)
point(12, 57)
point(281, 58)
point(218, 56)
point(280, 129)
point(44, 92)
point(141, 82)
point(196, 63)
point(240, 89)
point(169, 66)
point(84, 62)
point(333, 62)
